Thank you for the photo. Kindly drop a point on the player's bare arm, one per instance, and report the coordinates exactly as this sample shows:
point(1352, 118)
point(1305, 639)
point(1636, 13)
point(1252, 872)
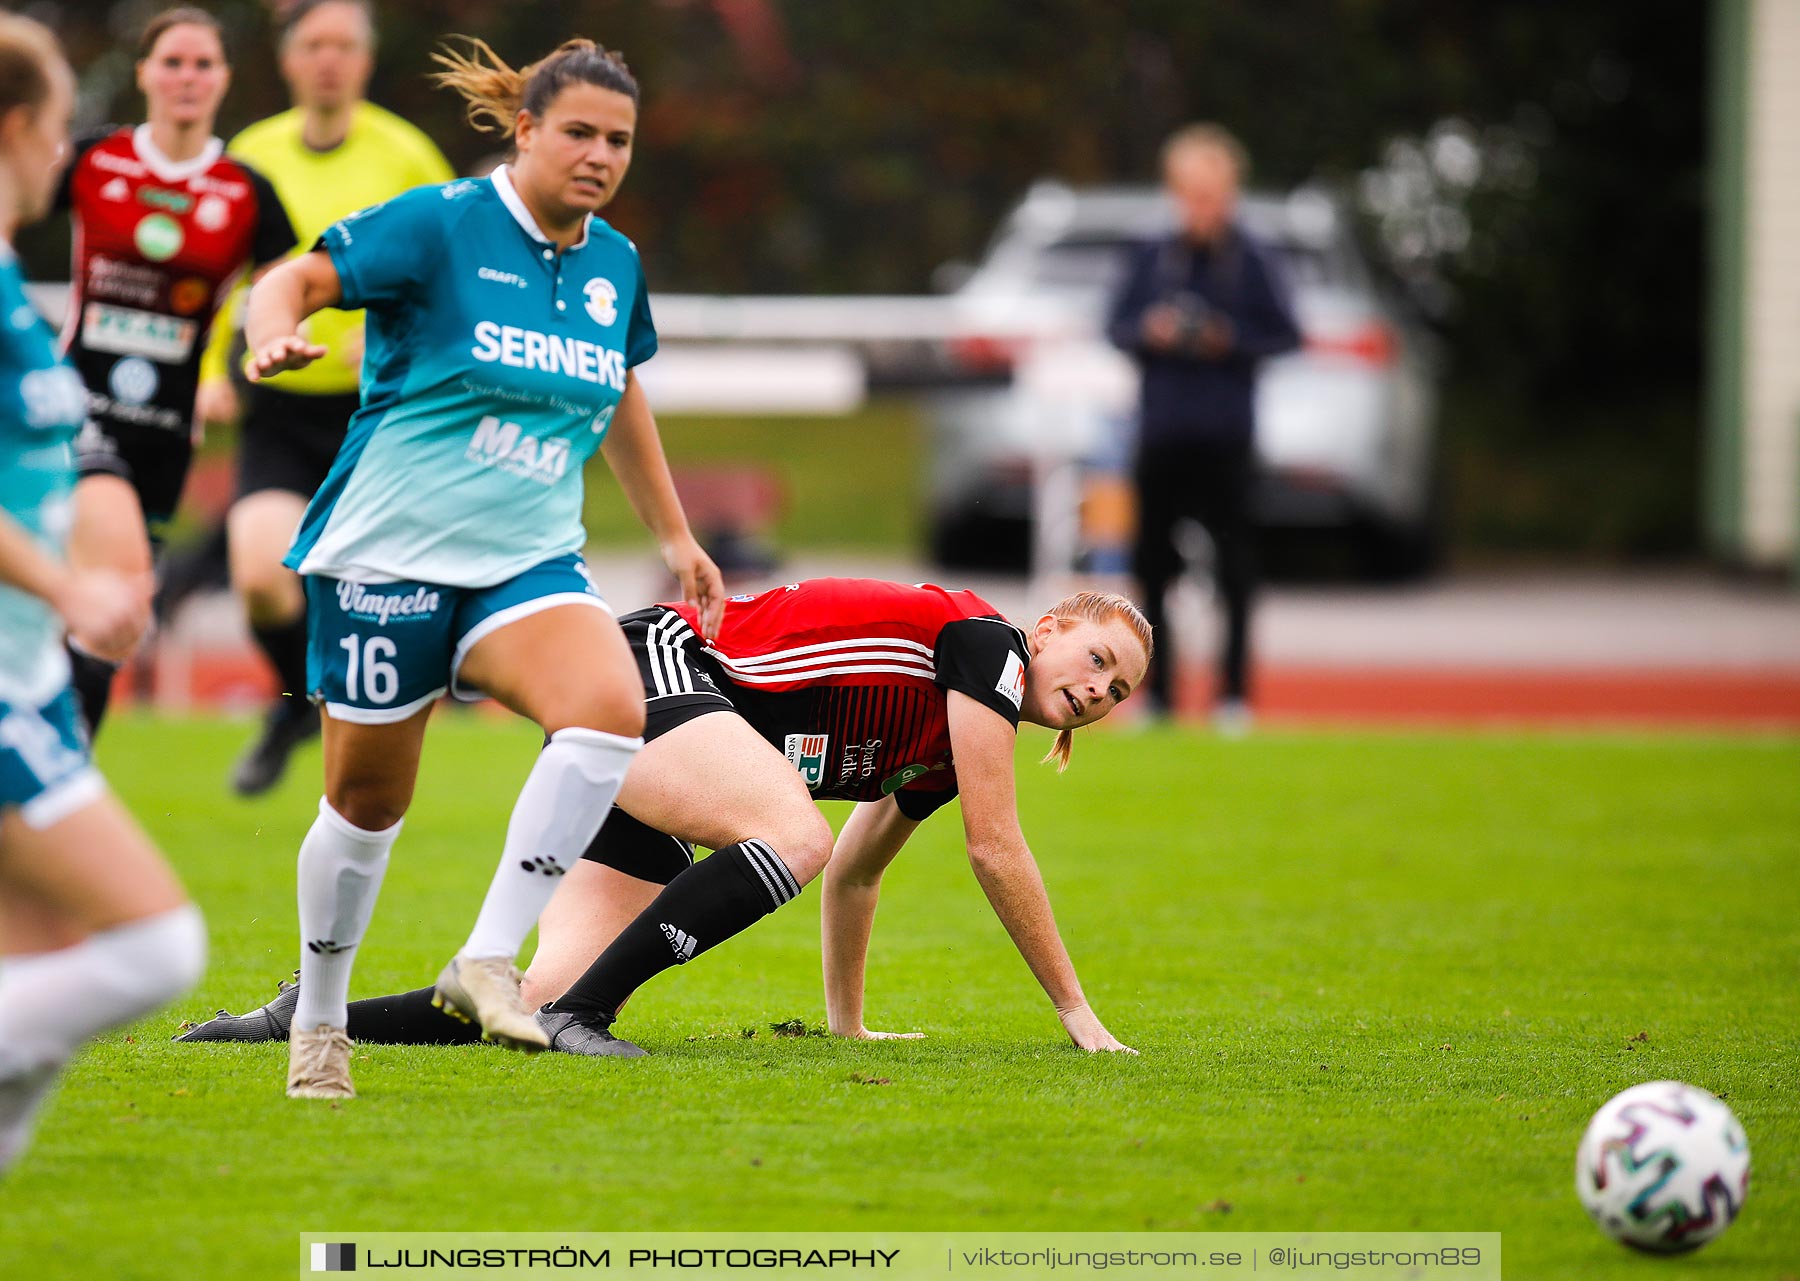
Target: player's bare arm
point(281, 300)
point(874, 833)
point(634, 451)
point(983, 745)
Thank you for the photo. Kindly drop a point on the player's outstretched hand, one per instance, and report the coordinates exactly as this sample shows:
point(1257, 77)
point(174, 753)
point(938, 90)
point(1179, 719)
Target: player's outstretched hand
point(702, 585)
point(106, 612)
point(281, 355)
point(863, 1034)
point(1088, 1033)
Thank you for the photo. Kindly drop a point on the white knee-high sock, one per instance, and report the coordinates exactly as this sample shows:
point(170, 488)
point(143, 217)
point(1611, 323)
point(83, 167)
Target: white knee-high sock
point(51, 1002)
point(341, 866)
point(559, 811)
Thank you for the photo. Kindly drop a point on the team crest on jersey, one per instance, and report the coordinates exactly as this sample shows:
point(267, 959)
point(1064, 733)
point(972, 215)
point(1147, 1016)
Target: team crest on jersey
point(601, 295)
point(806, 752)
point(1012, 680)
point(133, 381)
point(213, 214)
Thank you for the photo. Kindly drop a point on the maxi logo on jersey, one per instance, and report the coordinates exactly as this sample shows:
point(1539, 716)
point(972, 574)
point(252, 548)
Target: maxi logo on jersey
point(519, 348)
point(508, 447)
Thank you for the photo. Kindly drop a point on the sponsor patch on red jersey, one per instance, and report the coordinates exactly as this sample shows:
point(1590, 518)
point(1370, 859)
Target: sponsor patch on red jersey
point(1012, 680)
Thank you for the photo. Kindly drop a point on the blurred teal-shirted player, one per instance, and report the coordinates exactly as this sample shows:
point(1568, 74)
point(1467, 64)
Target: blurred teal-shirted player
point(94, 927)
point(443, 551)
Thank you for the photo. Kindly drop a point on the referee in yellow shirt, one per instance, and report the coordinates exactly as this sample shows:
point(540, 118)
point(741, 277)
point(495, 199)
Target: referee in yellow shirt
point(330, 155)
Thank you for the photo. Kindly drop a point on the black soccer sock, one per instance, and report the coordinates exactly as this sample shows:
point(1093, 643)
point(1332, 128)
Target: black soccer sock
point(698, 910)
point(407, 1019)
point(93, 680)
point(284, 645)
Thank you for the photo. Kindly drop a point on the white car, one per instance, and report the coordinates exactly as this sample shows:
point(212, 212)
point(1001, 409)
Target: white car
point(1344, 426)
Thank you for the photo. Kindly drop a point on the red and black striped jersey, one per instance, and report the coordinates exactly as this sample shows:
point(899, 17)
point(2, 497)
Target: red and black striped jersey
point(847, 677)
point(158, 246)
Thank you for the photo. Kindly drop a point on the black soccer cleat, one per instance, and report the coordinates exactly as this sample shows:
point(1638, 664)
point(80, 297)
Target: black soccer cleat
point(289, 723)
point(569, 1035)
point(267, 1023)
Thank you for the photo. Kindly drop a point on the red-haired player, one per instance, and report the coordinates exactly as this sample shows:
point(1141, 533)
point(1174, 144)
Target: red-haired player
point(899, 697)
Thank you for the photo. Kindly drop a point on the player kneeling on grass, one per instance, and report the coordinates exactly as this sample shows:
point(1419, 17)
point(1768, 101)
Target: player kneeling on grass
point(899, 697)
point(95, 927)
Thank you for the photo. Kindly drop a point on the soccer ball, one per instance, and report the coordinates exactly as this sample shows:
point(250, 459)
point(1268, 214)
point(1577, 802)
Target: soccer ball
point(1664, 1167)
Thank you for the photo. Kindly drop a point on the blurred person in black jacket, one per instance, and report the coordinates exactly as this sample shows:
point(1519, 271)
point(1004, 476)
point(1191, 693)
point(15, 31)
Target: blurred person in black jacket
point(1199, 311)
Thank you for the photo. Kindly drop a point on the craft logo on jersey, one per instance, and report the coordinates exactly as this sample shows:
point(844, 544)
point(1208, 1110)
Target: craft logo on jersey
point(1012, 680)
point(806, 752)
point(601, 295)
point(508, 447)
point(501, 277)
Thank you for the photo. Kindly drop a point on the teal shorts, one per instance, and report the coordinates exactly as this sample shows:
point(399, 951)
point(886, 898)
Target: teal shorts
point(377, 653)
point(46, 770)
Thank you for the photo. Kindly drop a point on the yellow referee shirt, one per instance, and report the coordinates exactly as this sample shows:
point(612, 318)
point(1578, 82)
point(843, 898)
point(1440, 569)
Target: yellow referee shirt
point(380, 157)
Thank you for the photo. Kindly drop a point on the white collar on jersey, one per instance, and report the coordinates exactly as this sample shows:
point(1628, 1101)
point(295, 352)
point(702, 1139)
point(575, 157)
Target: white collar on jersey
point(168, 170)
point(509, 196)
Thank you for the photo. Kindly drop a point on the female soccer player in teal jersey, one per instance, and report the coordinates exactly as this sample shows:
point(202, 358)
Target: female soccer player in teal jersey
point(443, 551)
point(94, 926)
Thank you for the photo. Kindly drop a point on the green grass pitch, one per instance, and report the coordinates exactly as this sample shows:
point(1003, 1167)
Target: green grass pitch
point(1379, 982)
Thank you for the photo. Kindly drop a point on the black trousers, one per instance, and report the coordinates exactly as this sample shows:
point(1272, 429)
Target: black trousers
point(1210, 483)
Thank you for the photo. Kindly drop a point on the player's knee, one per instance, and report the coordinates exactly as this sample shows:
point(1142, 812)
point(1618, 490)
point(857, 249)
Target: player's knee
point(803, 843)
point(372, 807)
point(611, 711)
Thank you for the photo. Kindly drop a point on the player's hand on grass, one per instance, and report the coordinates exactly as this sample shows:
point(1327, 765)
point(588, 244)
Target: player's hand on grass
point(702, 585)
point(1088, 1033)
point(106, 612)
point(280, 355)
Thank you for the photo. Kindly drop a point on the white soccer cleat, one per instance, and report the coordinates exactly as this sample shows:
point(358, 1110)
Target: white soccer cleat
point(485, 990)
point(319, 1063)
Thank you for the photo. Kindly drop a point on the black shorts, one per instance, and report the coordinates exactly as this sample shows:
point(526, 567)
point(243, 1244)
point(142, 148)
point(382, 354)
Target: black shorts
point(152, 460)
point(289, 441)
point(680, 683)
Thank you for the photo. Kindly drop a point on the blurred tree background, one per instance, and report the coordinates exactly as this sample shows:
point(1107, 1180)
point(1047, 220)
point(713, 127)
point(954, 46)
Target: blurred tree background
point(1534, 173)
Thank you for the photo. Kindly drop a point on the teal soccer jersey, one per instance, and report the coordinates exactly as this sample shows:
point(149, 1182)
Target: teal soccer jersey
point(491, 371)
point(42, 404)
